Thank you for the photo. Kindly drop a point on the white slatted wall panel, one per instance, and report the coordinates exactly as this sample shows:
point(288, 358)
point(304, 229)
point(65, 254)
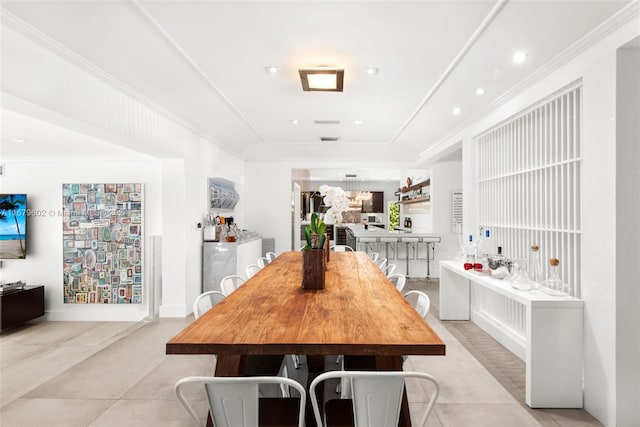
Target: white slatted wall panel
point(529, 182)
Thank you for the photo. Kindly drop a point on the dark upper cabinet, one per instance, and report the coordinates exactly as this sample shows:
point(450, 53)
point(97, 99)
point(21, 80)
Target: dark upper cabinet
point(375, 204)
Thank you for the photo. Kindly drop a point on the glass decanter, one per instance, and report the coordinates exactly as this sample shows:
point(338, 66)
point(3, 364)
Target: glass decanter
point(519, 278)
point(535, 268)
point(554, 285)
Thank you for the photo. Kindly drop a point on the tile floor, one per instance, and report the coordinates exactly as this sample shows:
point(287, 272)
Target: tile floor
point(117, 374)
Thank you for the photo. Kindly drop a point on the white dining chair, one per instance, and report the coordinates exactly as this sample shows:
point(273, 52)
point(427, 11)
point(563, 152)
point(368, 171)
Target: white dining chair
point(389, 269)
point(341, 248)
point(230, 283)
point(235, 401)
point(374, 256)
point(376, 398)
point(271, 255)
point(420, 302)
point(263, 261)
point(205, 301)
point(399, 280)
point(251, 270)
point(381, 263)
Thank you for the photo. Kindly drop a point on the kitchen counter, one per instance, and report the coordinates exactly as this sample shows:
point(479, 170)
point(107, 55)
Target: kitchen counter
point(415, 255)
point(359, 232)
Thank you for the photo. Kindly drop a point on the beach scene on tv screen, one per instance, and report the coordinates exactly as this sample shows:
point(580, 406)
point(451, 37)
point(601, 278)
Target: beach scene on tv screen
point(13, 226)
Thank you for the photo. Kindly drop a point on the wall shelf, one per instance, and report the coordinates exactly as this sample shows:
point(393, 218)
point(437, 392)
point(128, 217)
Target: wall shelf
point(407, 190)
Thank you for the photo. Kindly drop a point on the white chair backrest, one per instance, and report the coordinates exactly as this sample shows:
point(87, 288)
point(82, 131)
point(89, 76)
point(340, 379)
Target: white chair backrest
point(382, 263)
point(374, 256)
point(230, 283)
point(271, 256)
point(251, 270)
point(399, 280)
point(342, 248)
point(205, 301)
point(377, 395)
point(234, 401)
point(262, 261)
point(389, 269)
point(420, 302)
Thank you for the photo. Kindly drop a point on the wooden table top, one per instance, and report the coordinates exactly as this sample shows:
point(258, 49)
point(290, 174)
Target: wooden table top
point(359, 312)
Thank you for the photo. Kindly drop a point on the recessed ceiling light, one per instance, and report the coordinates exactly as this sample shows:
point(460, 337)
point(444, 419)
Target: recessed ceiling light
point(372, 71)
point(321, 79)
point(271, 69)
point(457, 111)
point(479, 91)
point(358, 122)
point(294, 122)
point(519, 57)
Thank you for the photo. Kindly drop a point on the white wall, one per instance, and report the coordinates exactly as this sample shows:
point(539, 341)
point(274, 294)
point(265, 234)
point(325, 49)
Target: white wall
point(45, 82)
point(445, 178)
point(268, 189)
point(596, 66)
point(42, 182)
point(627, 236)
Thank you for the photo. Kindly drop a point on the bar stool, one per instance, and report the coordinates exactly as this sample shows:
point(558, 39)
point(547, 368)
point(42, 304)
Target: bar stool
point(387, 241)
point(409, 241)
point(369, 243)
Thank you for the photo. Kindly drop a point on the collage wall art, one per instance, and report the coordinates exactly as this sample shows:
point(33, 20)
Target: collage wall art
point(103, 242)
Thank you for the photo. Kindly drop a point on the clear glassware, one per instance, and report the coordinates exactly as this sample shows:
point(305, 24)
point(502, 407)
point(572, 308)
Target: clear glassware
point(535, 267)
point(519, 278)
point(497, 260)
point(554, 285)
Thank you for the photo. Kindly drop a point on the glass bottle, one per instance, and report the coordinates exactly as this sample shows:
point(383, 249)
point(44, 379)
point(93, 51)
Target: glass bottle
point(497, 260)
point(554, 285)
point(488, 244)
point(470, 254)
point(535, 267)
point(519, 278)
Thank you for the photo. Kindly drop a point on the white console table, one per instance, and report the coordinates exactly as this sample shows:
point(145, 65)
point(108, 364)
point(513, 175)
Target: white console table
point(546, 332)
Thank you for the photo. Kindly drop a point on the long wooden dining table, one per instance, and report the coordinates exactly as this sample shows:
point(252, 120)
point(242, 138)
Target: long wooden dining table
point(359, 312)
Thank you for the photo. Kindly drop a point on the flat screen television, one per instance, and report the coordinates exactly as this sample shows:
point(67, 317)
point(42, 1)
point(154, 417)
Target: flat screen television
point(13, 226)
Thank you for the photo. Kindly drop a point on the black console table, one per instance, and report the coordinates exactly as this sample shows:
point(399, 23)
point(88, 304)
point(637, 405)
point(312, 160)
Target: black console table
point(21, 305)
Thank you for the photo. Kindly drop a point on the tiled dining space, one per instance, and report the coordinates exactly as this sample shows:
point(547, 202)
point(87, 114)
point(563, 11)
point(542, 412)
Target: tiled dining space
point(117, 374)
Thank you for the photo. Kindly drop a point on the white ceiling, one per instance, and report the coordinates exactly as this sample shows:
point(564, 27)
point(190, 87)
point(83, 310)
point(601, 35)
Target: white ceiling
point(205, 62)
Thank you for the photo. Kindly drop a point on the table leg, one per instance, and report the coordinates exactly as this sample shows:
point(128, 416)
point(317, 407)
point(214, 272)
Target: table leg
point(394, 363)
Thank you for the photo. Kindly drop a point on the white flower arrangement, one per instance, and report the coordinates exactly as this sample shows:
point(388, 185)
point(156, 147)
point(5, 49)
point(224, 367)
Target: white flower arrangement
point(336, 199)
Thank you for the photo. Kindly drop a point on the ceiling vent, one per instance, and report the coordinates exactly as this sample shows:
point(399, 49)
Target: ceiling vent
point(326, 122)
point(329, 138)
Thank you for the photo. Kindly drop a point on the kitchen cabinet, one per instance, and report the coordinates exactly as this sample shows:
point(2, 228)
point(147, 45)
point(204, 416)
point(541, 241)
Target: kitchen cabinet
point(375, 204)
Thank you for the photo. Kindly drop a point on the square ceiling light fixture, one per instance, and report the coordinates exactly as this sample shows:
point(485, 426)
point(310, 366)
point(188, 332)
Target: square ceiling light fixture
point(321, 79)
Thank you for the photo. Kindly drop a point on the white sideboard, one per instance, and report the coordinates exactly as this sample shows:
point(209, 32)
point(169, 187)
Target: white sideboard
point(220, 259)
point(546, 332)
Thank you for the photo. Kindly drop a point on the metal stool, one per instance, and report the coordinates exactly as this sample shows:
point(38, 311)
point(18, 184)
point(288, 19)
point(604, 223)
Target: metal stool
point(368, 243)
point(409, 241)
point(387, 241)
point(430, 242)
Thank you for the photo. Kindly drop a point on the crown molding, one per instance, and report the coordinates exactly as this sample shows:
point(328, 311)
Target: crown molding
point(12, 21)
point(616, 21)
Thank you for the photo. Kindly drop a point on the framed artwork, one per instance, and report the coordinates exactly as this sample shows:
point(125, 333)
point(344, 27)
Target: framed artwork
point(222, 194)
point(102, 240)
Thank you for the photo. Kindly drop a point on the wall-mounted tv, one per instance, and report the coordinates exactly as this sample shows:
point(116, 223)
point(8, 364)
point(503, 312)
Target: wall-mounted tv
point(13, 226)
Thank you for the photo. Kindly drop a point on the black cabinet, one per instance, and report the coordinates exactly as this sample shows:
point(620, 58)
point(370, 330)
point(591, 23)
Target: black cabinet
point(21, 305)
